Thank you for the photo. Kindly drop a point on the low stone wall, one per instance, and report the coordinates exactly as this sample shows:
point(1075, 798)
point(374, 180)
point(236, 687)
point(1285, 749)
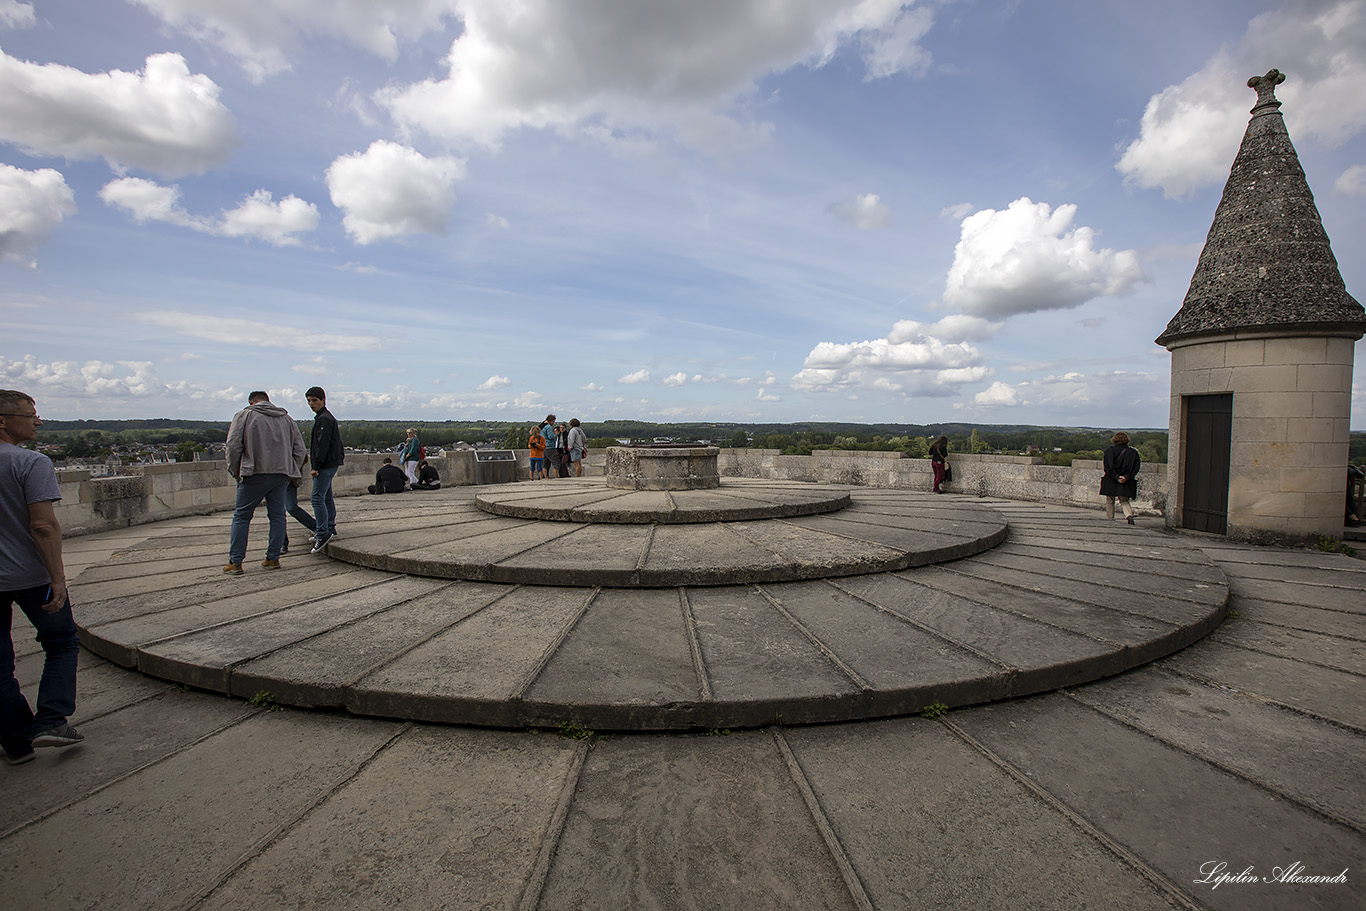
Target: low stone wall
point(1008, 477)
point(151, 493)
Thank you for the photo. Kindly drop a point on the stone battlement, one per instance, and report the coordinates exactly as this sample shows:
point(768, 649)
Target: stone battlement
point(151, 493)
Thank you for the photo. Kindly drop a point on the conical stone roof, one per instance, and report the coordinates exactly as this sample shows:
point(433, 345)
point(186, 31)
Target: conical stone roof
point(1267, 265)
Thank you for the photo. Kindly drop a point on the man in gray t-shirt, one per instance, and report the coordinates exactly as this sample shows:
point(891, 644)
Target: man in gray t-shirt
point(32, 576)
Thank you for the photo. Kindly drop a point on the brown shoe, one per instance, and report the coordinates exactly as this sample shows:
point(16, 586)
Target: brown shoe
point(270, 564)
point(233, 569)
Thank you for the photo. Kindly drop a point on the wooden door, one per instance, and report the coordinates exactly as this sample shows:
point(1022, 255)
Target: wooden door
point(1208, 441)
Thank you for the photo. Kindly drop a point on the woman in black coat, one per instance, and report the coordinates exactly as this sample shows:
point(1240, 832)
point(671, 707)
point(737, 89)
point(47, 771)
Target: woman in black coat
point(939, 461)
point(1118, 482)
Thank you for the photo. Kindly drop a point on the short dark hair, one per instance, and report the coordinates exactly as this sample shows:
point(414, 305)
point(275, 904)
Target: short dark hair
point(388, 461)
point(12, 397)
point(315, 392)
point(257, 396)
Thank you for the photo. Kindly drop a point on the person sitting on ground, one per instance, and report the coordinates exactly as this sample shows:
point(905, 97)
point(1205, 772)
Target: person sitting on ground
point(427, 478)
point(389, 479)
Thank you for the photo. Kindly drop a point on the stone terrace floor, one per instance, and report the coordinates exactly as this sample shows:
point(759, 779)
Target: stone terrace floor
point(1245, 749)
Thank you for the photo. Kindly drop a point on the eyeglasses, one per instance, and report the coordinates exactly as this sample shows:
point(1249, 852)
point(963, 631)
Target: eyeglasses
point(13, 415)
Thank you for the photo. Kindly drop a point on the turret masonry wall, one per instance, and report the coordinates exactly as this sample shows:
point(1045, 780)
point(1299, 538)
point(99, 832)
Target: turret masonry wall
point(151, 493)
point(1291, 423)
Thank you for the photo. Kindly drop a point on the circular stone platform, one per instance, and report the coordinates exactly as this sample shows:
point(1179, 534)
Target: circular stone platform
point(737, 501)
point(506, 548)
point(1032, 614)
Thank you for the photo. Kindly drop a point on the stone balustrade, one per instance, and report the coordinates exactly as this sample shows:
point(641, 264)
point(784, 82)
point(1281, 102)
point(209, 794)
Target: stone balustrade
point(150, 493)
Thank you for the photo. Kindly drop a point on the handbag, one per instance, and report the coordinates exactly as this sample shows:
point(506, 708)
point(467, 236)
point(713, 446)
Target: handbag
point(948, 472)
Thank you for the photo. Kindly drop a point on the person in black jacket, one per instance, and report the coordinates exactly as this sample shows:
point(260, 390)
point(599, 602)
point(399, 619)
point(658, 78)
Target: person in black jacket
point(427, 477)
point(389, 479)
point(1118, 482)
point(326, 455)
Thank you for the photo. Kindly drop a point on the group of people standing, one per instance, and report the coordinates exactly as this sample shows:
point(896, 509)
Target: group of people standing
point(267, 455)
point(1119, 482)
point(557, 449)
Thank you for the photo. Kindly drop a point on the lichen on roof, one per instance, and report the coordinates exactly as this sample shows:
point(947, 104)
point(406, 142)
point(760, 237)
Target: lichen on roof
point(1267, 263)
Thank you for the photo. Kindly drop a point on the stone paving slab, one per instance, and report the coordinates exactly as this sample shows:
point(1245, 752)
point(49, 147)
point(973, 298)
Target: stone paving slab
point(701, 814)
point(400, 836)
point(1040, 738)
point(928, 822)
point(1318, 765)
point(247, 781)
point(1111, 794)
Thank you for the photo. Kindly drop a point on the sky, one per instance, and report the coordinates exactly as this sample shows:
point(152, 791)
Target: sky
point(977, 211)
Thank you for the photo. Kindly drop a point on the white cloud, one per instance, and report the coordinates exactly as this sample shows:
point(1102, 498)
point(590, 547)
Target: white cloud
point(591, 387)
point(232, 331)
point(1190, 131)
point(999, 394)
point(921, 365)
point(316, 366)
point(766, 396)
point(640, 376)
point(78, 384)
point(957, 327)
point(646, 64)
point(274, 222)
point(162, 118)
point(258, 216)
point(15, 14)
point(259, 32)
point(391, 190)
point(359, 268)
point(494, 382)
point(958, 212)
point(1352, 182)
point(497, 221)
point(1028, 257)
point(676, 379)
point(864, 212)
point(32, 205)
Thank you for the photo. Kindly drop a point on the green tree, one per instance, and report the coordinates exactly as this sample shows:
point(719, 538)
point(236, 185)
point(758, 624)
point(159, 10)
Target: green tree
point(185, 450)
point(739, 440)
point(976, 443)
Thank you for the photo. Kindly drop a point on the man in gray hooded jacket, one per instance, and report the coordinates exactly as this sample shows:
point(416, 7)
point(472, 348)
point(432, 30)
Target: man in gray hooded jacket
point(265, 451)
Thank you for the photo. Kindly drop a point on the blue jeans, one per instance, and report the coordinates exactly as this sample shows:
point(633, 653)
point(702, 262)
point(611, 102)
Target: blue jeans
point(324, 507)
point(251, 490)
point(292, 507)
point(57, 690)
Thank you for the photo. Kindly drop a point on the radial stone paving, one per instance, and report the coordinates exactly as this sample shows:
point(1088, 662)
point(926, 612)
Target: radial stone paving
point(432, 607)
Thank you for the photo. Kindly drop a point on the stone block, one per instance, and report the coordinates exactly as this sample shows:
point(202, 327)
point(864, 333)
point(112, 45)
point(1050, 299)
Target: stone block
point(1310, 480)
point(1273, 404)
point(1262, 429)
point(1297, 350)
point(1324, 378)
point(1262, 508)
point(1271, 454)
point(1332, 404)
point(1245, 353)
point(1310, 430)
point(1280, 378)
point(1193, 357)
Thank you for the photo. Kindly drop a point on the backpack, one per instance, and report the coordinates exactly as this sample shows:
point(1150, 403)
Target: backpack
point(536, 441)
point(421, 452)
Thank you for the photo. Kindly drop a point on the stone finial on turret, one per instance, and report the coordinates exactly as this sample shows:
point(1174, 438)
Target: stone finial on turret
point(1266, 88)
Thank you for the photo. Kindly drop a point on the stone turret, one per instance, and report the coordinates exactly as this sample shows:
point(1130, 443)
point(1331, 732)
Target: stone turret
point(1262, 352)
